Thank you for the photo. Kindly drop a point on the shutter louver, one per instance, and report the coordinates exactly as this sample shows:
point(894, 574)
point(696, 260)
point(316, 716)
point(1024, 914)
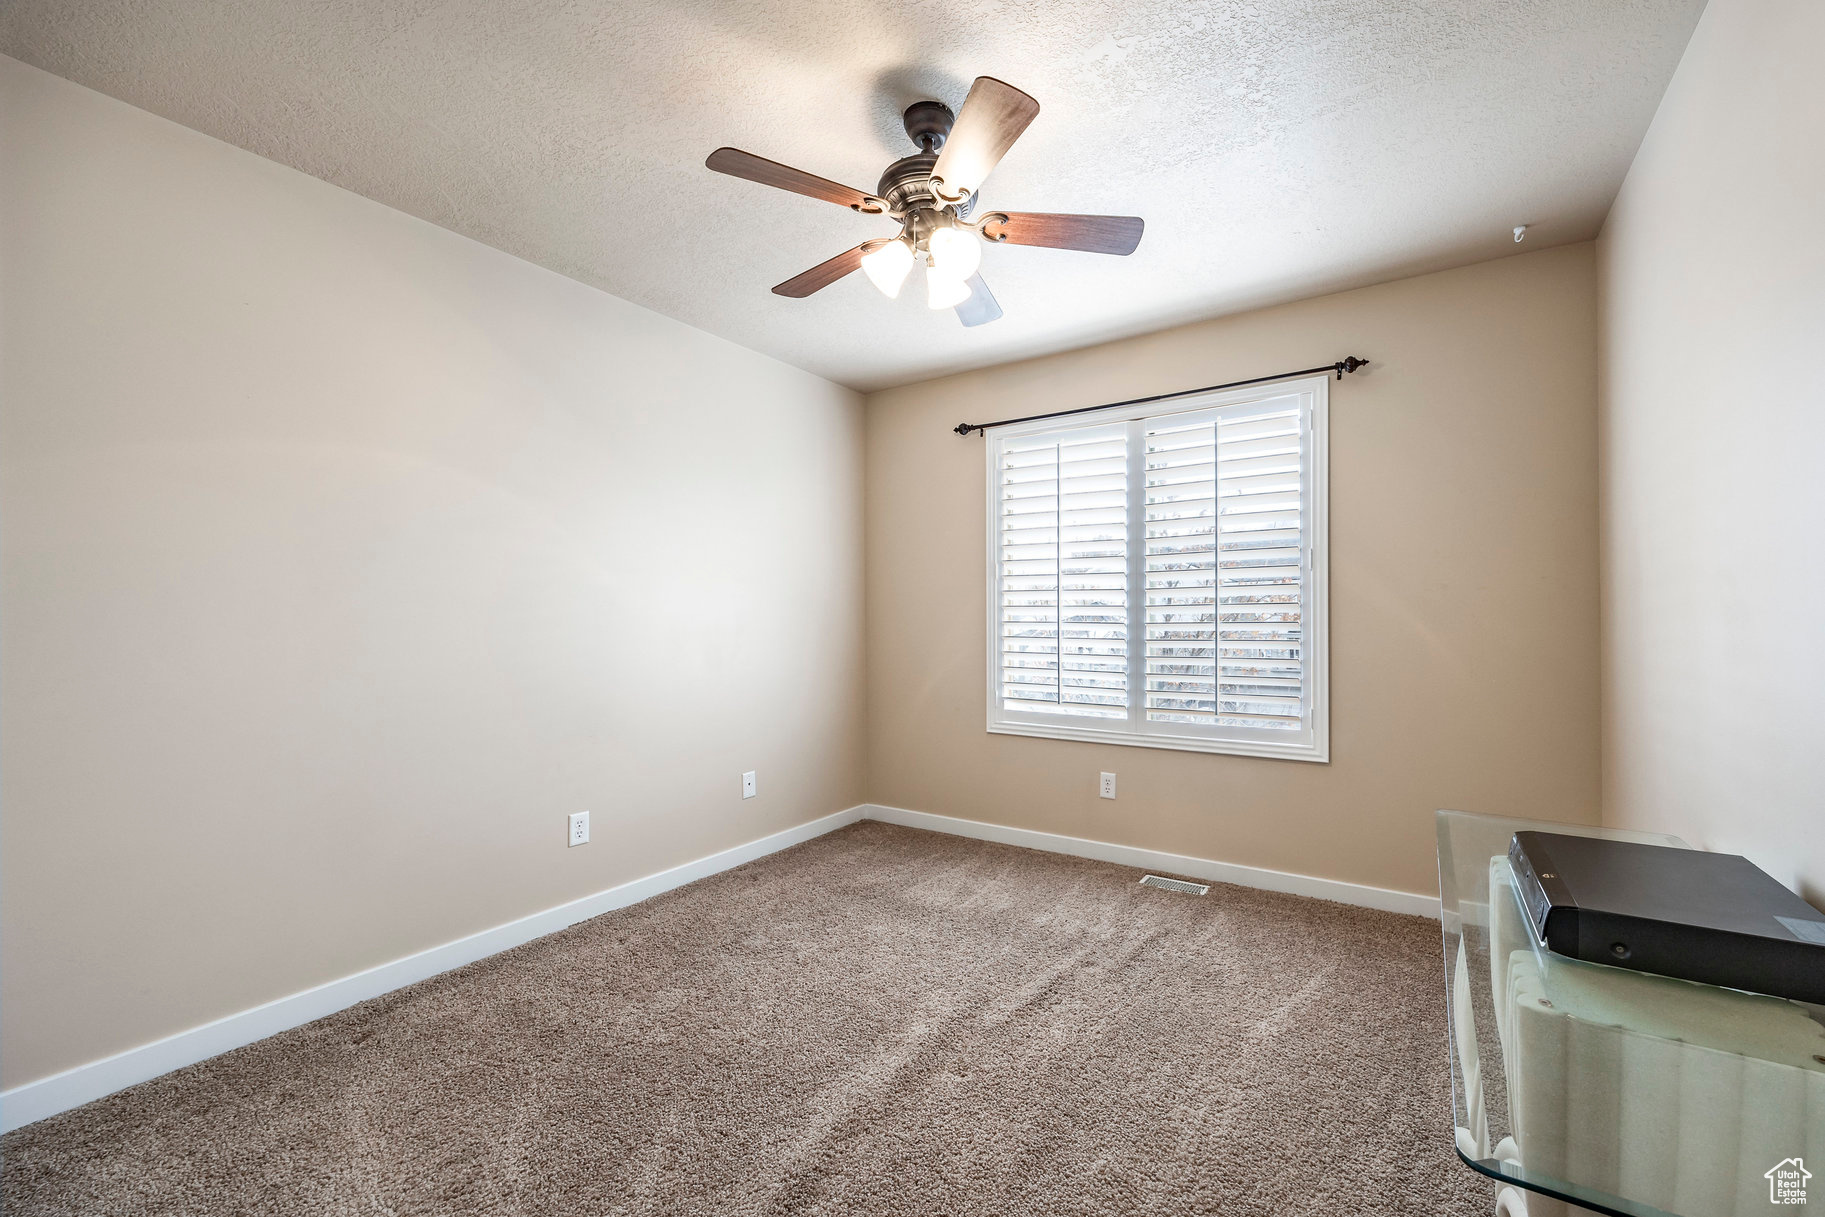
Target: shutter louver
point(1062, 567)
point(1224, 569)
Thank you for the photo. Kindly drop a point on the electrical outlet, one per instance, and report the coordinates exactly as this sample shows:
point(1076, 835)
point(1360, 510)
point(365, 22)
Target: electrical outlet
point(579, 828)
point(1108, 787)
point(747, 785)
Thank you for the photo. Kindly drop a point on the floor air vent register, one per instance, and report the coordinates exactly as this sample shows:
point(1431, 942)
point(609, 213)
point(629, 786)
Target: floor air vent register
point(1175, 885)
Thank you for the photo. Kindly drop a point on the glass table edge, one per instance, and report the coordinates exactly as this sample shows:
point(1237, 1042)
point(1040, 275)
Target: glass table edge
point(1450, 925)
point(1606, 1203)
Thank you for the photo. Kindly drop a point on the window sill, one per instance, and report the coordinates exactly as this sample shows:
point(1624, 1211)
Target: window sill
point(1319, 753)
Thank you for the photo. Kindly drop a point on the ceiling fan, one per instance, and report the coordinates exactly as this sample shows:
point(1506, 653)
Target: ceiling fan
point(932, 193)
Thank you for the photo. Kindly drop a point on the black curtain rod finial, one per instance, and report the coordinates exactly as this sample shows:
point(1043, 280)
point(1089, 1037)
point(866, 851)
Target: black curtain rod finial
point(1347, 364)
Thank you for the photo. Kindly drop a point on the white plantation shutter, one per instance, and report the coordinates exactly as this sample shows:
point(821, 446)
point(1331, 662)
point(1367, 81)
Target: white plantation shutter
point(1225, 568)
point(1157, 579)
point(1063, 569)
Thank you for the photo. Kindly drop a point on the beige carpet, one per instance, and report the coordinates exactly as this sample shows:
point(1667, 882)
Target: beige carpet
point(882, 1021)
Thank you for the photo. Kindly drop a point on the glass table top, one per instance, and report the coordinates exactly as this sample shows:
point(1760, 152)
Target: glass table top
point(1584, 1087)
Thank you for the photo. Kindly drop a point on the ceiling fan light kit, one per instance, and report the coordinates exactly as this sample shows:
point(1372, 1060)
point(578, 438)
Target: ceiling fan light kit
point(932, 194)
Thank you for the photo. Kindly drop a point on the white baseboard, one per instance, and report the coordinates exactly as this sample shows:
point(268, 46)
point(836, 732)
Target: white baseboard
point(34, 1101)
point(1415, 903)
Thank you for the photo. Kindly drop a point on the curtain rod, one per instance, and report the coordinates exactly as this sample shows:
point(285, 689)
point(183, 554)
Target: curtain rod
point(1347, 364)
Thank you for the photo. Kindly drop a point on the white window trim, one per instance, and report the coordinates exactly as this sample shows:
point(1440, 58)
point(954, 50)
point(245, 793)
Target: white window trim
point(1316, 627)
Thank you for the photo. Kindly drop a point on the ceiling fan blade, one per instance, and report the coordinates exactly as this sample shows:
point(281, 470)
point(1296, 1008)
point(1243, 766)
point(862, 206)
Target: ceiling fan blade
point(992, 118)
point(1092, 234)
point(980, 308)
point(827, 272)
point(736, 163)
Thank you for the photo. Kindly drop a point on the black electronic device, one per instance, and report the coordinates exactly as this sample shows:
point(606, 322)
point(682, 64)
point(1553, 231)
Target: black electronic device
point(1686, 913)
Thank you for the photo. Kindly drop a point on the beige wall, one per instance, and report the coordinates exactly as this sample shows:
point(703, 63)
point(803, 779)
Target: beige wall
point(1712, 268)
point(345, 557)
point(1463, 582)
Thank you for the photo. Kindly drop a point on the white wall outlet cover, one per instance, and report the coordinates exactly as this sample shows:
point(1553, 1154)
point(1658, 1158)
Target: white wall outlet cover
point(1107, 790)
point(579, 828)
point(748, 788)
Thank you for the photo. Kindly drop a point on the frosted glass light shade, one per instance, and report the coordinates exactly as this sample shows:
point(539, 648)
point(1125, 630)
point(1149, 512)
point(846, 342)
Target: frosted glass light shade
point(887, 267)
point(943, 291)
point(955, 252)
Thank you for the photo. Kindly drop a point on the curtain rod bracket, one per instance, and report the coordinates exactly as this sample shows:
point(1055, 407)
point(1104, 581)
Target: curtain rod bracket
point(1347, 364)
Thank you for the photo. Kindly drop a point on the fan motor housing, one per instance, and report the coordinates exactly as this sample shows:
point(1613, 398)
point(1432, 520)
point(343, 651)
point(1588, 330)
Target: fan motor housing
point(907, 185)
point(907, 182)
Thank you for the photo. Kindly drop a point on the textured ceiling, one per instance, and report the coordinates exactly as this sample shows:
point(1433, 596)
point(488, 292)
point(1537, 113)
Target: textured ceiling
point(1276, 148)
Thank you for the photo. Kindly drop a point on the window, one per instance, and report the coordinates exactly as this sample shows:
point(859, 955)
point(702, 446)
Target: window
point(1157, 574)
